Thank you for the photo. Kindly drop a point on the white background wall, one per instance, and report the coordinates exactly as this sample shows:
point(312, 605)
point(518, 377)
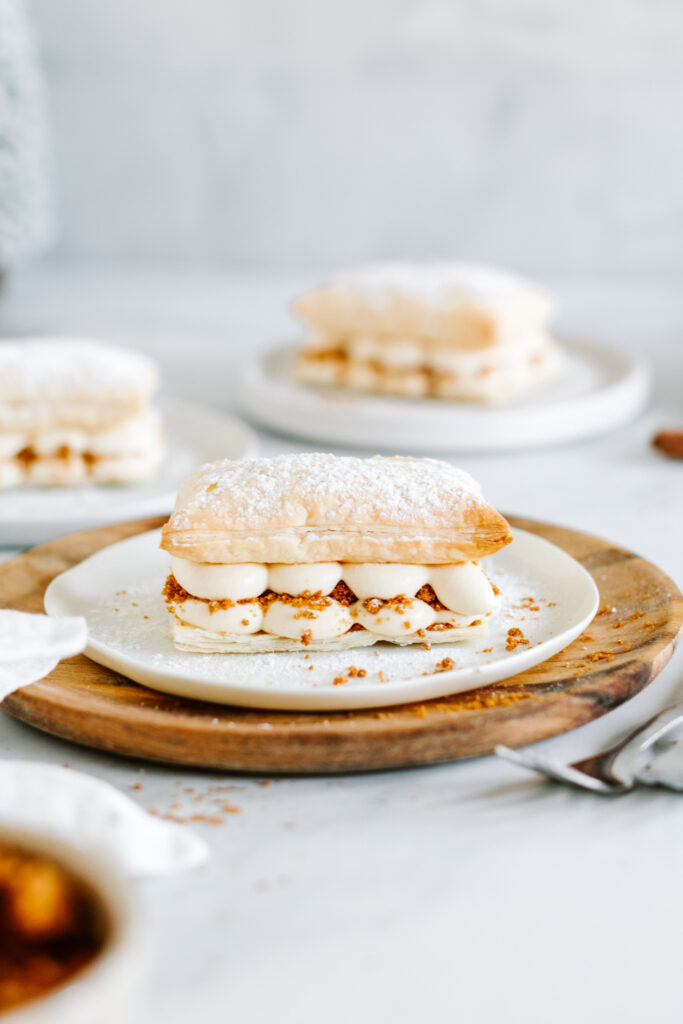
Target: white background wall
point(543, 134)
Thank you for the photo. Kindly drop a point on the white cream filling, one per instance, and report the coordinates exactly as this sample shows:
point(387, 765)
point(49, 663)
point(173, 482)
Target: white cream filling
point(392, 620)
point(221, 582)
point(285, 619)
point(282, 618)
point(407, 354)
point(240, 618)
point(135, 435)
point(310, 577)
point(463, 588)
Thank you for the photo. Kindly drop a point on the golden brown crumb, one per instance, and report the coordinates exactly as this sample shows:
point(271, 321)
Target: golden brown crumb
point(308, 603)
point(445, 665)
point(202, 819)
point(343, 594)
point(26, 456)
point(515, 637)
point(428, 595)
point(600, 656)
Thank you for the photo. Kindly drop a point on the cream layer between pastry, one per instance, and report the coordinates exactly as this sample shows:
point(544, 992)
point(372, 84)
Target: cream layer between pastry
point(127, 453)
point(301, 601)
point(405, 369)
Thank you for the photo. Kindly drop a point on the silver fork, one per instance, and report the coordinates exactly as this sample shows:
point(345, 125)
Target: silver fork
point(650, 756)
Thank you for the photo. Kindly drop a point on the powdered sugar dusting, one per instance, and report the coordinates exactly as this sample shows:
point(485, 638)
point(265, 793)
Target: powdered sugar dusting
point(40, 369)
point(440, 282)
point(292, 488)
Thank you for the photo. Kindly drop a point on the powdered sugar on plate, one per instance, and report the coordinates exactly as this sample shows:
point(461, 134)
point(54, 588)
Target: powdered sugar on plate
point(546, 600)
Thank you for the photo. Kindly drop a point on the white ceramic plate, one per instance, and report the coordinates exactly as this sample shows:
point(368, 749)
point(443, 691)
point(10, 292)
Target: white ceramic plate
point(599, 388)
point(31, 515)
point(118, 592)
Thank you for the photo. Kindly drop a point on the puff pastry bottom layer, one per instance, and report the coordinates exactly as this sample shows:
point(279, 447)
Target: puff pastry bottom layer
point(203, 641)
point(336, 368)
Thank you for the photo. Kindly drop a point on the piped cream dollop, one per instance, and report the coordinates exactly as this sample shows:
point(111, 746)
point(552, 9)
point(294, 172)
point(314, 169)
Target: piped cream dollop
point(221, 582)
point(225, 597)
point(462, 587)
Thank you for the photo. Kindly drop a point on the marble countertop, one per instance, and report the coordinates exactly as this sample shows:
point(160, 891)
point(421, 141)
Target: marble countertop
point(471, 891)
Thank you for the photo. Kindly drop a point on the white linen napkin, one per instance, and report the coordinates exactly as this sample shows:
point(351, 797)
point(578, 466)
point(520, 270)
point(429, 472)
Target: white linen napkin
point(31, 646)
point(78, 809)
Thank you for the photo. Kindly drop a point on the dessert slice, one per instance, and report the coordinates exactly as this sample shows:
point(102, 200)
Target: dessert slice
point(74, 411)
point(444, 330)
point(317, 552)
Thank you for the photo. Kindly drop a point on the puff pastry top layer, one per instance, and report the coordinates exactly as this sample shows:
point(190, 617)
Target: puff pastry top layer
point(46, 382)
point(461, 304)
point(321, 508)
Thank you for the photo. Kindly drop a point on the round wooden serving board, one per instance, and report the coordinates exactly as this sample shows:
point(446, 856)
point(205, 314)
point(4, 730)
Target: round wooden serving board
point(628, 643)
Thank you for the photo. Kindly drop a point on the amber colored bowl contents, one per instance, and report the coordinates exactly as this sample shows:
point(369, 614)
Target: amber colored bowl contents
point(51, 925)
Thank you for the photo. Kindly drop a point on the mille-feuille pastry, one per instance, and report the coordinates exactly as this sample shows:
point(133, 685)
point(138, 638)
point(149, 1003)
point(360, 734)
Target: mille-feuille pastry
point(73, 411)
point(320, 553)
point(440, 330)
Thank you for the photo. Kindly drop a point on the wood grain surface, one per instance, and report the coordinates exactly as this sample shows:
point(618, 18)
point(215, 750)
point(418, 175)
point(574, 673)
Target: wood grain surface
point(628, 643)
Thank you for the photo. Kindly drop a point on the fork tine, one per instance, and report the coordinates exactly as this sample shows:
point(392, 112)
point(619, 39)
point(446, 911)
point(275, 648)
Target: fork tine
point(557, 772)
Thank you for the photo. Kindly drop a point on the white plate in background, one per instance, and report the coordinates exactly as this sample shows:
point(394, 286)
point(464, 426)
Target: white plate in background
point(598, 389)
point(31, 515)
point(118, 591)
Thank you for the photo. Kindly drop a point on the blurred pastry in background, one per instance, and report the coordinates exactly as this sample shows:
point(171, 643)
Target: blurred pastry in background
point(433, 329)
point(76, 411)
